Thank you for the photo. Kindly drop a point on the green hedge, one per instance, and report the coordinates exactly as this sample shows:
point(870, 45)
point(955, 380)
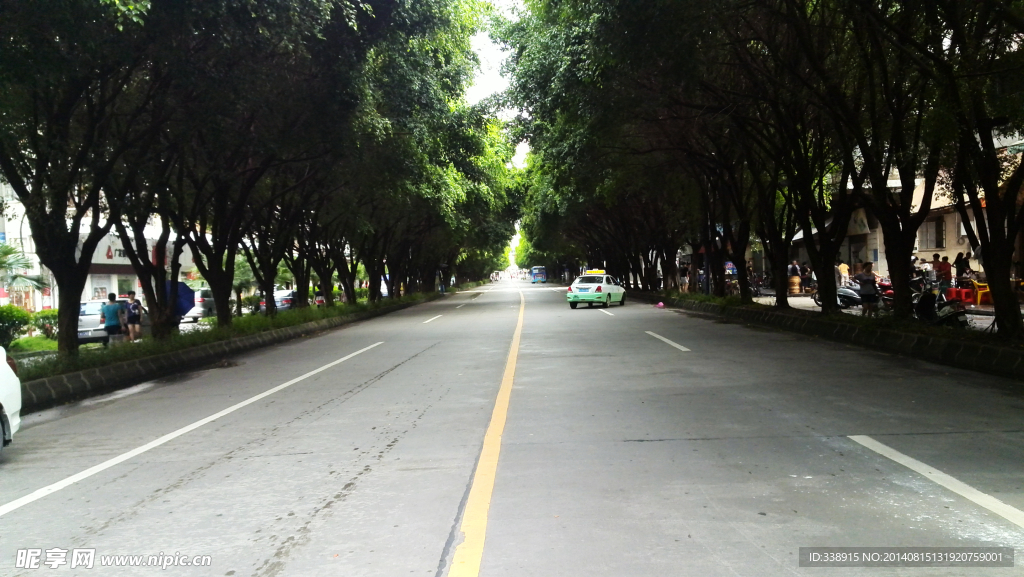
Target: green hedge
point(13, 321)
point(240, 327)
point(46, 322)
point(89, 358)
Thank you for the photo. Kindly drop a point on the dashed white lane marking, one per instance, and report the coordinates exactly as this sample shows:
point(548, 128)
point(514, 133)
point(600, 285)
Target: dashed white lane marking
point(433, 319)
point(53, 488)
point(661, 338)
point(606, 312)
point(1011, 514)
point(460, 306)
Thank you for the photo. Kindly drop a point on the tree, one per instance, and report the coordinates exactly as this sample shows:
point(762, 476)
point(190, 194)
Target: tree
point(76, 93)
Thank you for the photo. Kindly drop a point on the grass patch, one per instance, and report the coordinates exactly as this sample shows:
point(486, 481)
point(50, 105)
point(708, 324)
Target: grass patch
point(729, 301)
point(32, 344)
point(91, 358)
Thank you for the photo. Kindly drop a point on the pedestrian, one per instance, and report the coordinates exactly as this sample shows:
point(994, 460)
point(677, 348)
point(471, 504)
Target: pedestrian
point(868, 290)
point(794, 269)
point(925, 267)
point(134, 310)
point(844, 273)
point(944, 274)
point(112, 315)
point(936, 265)
point(805, 276)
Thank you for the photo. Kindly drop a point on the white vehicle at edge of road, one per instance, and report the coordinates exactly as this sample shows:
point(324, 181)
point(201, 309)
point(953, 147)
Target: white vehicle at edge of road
point(10, 401)
point(595, 286)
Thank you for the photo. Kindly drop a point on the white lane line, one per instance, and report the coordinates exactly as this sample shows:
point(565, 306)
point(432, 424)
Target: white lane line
point(433, 319)
point(1011, 514)
point(661, 338)
point(460, 306)
point(53, 488)
point(606, 312)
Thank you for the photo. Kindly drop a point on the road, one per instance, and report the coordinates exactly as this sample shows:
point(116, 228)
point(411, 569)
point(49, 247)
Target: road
point(403, 446)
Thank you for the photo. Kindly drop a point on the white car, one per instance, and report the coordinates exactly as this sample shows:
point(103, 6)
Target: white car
point(595, 286)
point(10, 401)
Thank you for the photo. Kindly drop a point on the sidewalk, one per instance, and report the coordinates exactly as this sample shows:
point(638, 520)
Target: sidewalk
point(803, 302)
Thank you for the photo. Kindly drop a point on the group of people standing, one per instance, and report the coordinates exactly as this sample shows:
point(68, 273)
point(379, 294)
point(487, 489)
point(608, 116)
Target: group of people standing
point(942, 271)
point(122, 318)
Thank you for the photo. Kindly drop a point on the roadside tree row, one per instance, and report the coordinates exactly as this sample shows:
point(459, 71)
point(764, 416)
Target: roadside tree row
point(322, 134)
point(665, 124)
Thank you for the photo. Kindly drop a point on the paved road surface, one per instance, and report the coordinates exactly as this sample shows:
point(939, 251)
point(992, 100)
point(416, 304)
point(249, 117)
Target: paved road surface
point(621, 454)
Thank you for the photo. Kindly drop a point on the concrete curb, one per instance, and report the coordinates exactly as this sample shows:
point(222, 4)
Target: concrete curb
point(985, 358)
point(53, 391)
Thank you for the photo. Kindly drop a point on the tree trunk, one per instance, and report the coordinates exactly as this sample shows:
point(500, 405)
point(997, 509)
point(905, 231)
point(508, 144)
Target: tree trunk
point(70, 285)
point(327, 285)
point(302, 279)
point(270, 305)
point(780, 280)
point(347, 278)
point(826, 276)
point(1004, 296)
point(898, 252)
point(238, 302)
point(222, 302)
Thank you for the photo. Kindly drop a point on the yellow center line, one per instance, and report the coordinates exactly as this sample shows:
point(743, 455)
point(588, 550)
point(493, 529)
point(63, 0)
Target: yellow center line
point(469, 553)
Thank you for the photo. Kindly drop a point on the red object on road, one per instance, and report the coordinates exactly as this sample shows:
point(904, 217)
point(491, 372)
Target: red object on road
point(952, 294)
point(967, 295)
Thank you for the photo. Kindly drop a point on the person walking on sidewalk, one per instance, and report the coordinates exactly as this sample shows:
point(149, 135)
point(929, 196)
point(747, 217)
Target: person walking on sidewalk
point(868, 291)
point(844, 273)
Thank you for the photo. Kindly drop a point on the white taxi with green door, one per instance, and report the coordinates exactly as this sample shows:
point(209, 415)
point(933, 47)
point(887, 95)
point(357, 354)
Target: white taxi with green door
point(595, 286)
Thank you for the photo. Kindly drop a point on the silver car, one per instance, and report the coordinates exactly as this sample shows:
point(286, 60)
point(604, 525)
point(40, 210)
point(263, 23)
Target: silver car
point(204, 306)
point(90, 329)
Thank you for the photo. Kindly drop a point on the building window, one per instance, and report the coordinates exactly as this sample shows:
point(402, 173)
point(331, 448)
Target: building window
point(932, 234)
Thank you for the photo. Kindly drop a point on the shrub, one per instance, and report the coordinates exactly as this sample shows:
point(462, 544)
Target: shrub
point(46, 322)
point(13, 321)
point(251, 304)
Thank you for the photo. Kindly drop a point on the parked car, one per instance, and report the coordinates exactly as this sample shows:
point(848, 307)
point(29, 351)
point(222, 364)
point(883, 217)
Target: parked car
point(283, 300)
point(204, 306)
point(10, 401)
point(90, 329)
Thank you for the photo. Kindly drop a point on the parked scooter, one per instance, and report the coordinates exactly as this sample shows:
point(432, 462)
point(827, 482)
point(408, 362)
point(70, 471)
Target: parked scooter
point(936, 310)
point(846, 297)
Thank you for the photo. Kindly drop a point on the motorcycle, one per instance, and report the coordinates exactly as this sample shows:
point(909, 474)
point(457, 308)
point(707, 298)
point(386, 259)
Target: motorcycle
point(846, 297)
point(935, 309)
point(918, 286)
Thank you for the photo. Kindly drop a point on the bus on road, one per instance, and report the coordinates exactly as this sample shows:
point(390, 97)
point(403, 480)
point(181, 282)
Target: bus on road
point(538, 274)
